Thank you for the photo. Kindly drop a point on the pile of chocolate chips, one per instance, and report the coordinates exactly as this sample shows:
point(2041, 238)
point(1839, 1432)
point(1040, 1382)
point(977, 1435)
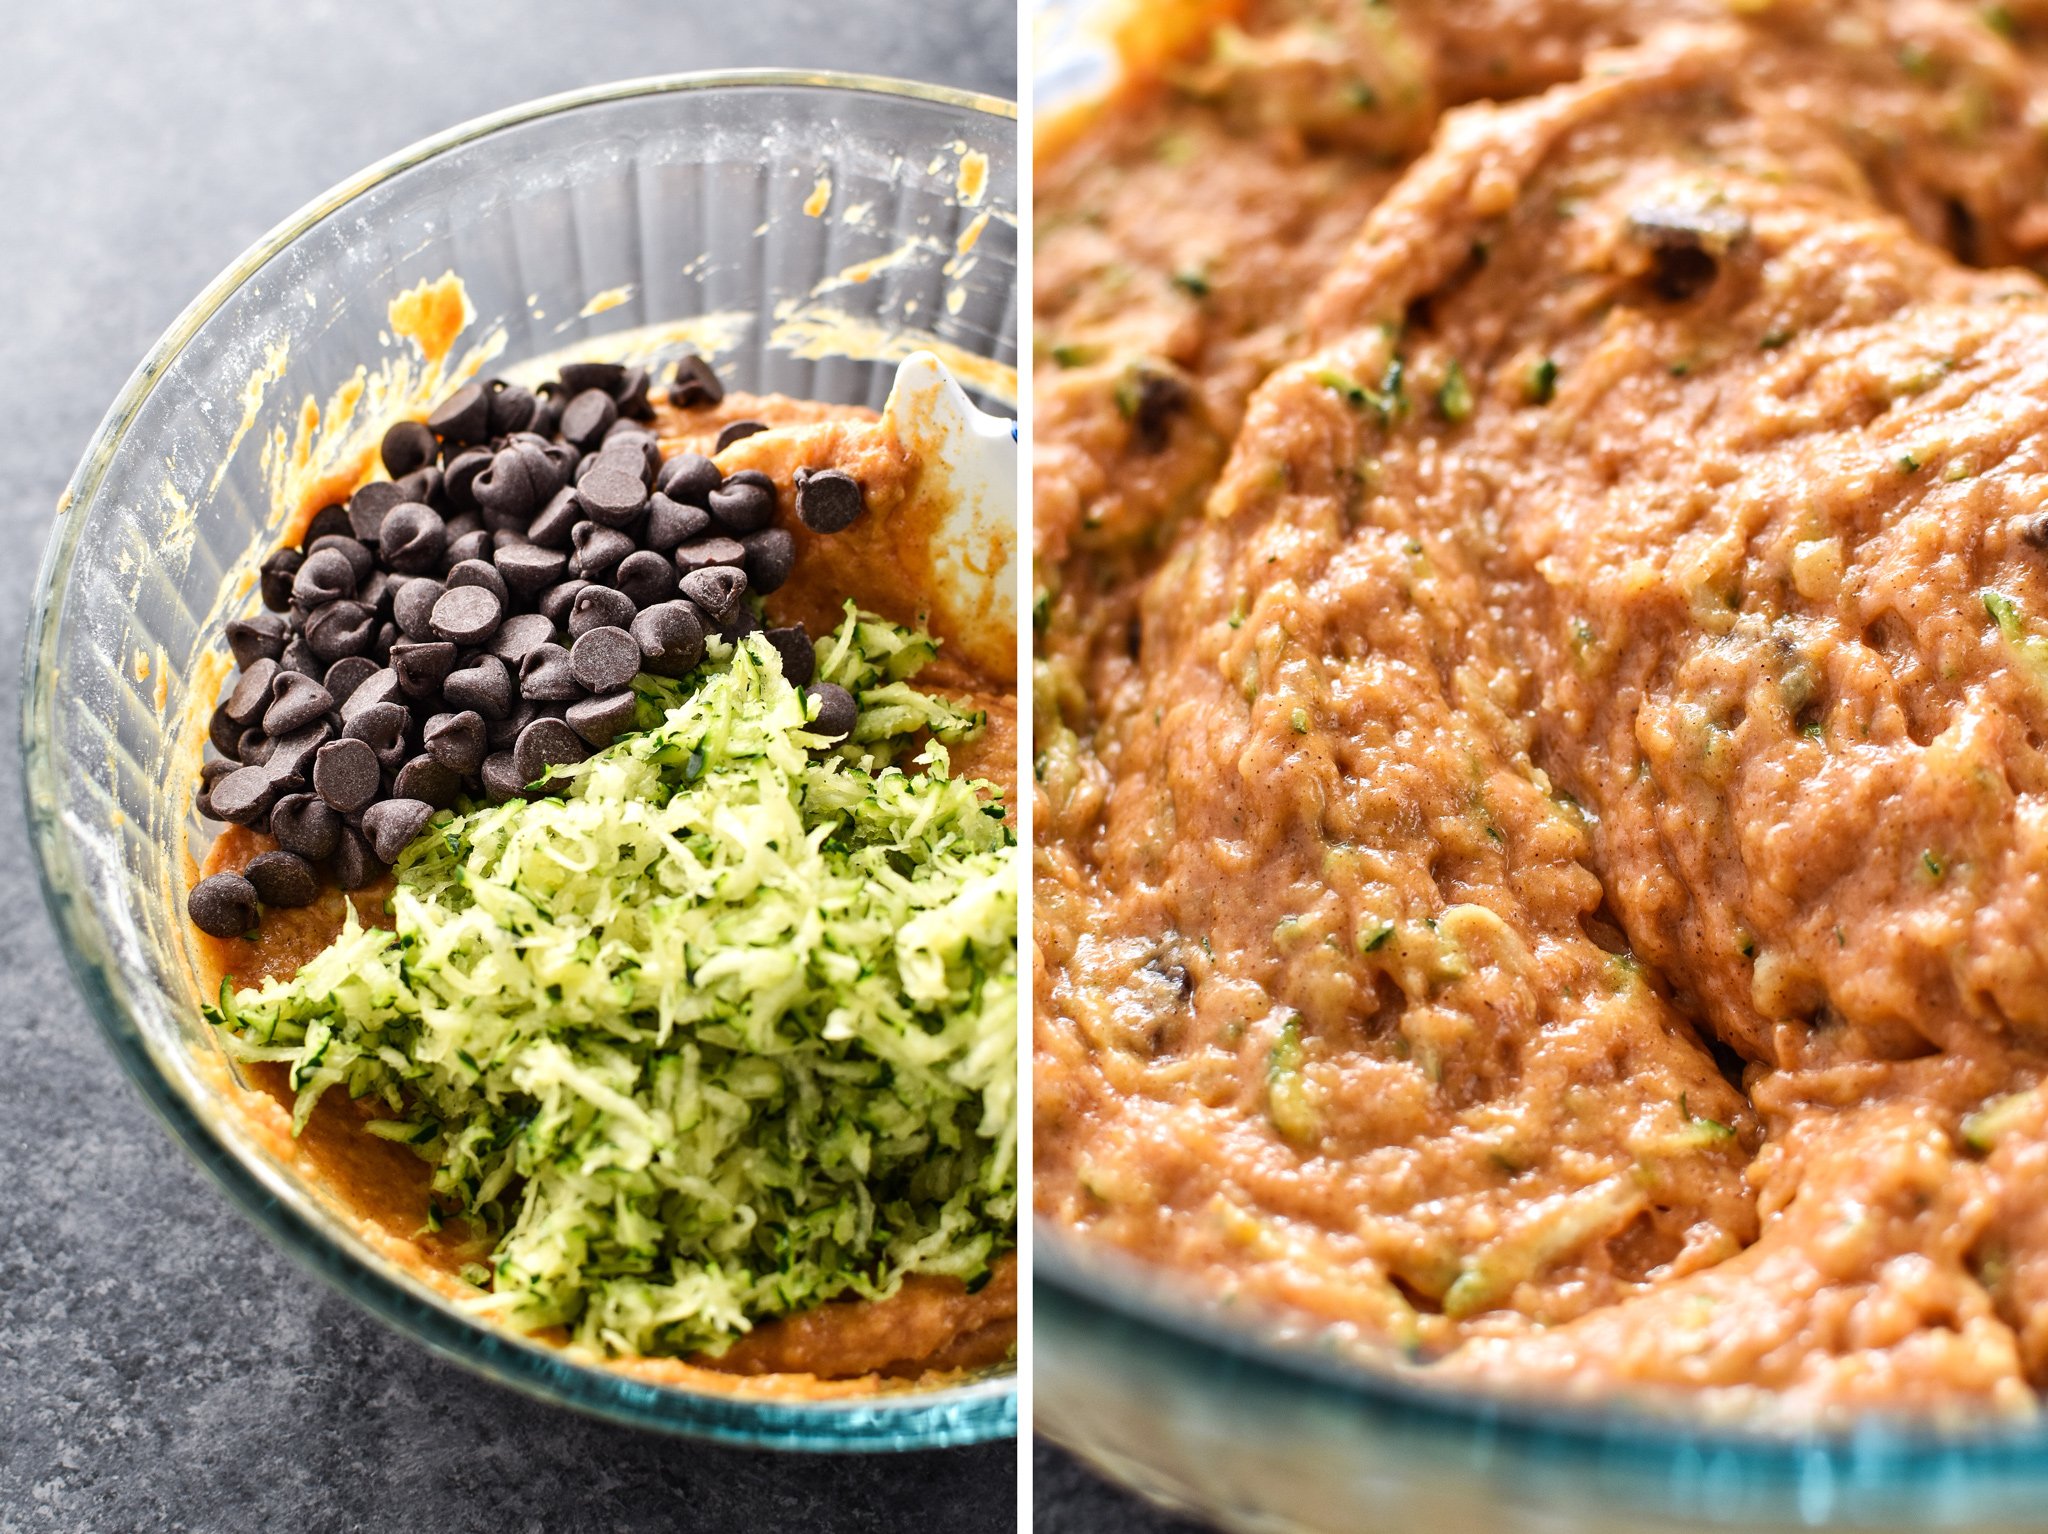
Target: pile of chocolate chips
point(478, 618)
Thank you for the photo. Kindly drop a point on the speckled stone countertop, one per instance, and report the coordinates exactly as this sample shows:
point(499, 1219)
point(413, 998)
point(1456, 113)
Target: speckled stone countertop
point(162, 1367)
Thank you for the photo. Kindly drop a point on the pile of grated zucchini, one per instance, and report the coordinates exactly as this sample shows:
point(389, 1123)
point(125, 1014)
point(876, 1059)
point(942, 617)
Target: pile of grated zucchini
point(725, 1031)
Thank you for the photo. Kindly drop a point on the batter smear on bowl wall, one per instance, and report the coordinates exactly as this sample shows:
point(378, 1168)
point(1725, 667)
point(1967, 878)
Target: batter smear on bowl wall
point(1542, 632)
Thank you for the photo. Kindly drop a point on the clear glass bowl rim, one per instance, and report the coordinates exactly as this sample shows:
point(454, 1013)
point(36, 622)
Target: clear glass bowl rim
point(972, 1413)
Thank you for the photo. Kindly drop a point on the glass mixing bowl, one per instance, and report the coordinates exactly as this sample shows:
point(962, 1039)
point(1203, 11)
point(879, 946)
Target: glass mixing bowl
point(606, 213)
point(1213, 1412)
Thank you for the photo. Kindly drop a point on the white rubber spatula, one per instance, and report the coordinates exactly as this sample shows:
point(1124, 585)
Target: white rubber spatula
point(969, 481)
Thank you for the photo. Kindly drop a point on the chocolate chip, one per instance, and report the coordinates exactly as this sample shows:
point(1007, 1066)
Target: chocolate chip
point(499, 734)
point(244, 796)
point(468, 615)
point(544, 744)
point(324, 523)
point(501, 777)
point(423, 667)
point(555, 525)
point(282, 879)
point(645, 577)
point(738, 431)
point(368, 507)
point(633, 448)
point(598, 551)
point(428, 780)
point(377, 592)
point(305, 824)
point(379, 687)
point(290, 758)
point(545, 675)
point(557, 601)
point(456, 741)
point(380, 647)
point(346, 772)
point(833, 713)
point(361, 562)
point(798, 655)
point(390, 825)
point(612, 497)
point(741, 506)
point(605, 659)
point(412, 606)
point(513, 408)
point(254, 746)
point(223, 905)
point(382, 729)
point(338, 629)
point(355, 865)
point(694, 385)
point(506, 491)
point(671, 638)
point(529, 569)
point(577, 377)
point(324, 577)
point(473, 547)
point(251, 694)
point(274, 578)
point(409, 445)
point(632, 395)
point(346, 675)
point(600, 721)
point(587, 417)
point(298, 656)
point(483, 686)
point(744, 621)
point(717, 590)
point(519, 635)
point(295, 701)
point(476, 572)
point(671, 522)
point(828, 500)
point(224, 733)
point(771, 555)
point(458, 480)
point(599, 607)
point(708, 553)
point(425, 486)
point(464, 416)
point(412, 539)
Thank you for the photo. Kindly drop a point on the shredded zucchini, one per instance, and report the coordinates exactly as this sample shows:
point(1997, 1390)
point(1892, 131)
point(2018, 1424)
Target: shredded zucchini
point(727, 1030)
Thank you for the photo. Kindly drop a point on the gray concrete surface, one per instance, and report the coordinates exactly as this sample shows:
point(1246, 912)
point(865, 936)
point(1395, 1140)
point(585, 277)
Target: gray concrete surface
point(162, 1367)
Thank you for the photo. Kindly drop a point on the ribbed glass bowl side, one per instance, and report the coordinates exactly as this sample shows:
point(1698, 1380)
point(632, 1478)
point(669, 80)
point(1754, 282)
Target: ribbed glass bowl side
point(619, 210)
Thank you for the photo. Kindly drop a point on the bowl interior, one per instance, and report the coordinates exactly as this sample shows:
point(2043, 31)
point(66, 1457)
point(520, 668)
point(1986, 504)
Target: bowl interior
point(803, 232)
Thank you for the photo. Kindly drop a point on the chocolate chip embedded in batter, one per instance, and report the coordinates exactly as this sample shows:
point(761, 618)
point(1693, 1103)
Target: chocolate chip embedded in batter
point(599, 607)
point(605, 659)
point(738, 431)
point(520, 635)
point(412, 539)
point(771, 555)
point(391, 825)
point(833, 712)
point(412, 606)
point(644, 578)
point(295, 702)
point(346, 772)
point(261, 637)
point(251, 694)
point(600, 721)
point(544, 744)
point(529, 569)
point(305, 824)
point(707, 553)
point(338, 629)
point(274, 578)
point(407, 446)
point(355, 865)
point(464, 416)
point(282, 879)
point(244, 796)
point(545, 676)
point(745, 503)
point(612, 497)
point(798, 655)
point(468, 615)
point(598, 551)
point(671, 523)
point(717, 591)
point(456, 741)
point(222, 905)
point(828, 500)
point(671, 638)
point(422, 667)
point(368, 507)
point(587, 417)
point(428, 780)
point(483, 686)
point(694, 385)
point(689, 478)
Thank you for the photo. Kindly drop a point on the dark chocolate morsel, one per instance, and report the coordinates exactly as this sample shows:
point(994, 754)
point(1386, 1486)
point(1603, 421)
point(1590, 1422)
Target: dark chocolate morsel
point(282, 879)
point(324, 577)
point(224, 732)
point(833, 713)
point(458, 480)
point(587, 417)
point(645, 577)
point(506, 491)
point(380, 686)
point(599, 607)
point(361, 562)
point(392, 824)
point(694, 384)
point(346, 772)
point(798, 655)
point(671, 522)
point(251, 694)
point(513, 408)
point(412, 539)
point(578, 376)
point(428, 780)
point(828, 500)
point(707, 553)
point(274, 578)
point(598, 551)
point(483, 687)
point(298, 656)
point(412, 606)
point(530, 569)
point(305, 824)
point(355, 865)
point(545, 676)
point(469, 615)
point(612, 496)
point(718, 590)
point(771, 555)
point(600, 721)
point(423, 485)
point(295, 702)
point(557, 520)
point(409, 445)
point(290, 760)
point(244, 796)
point(605, 659)
point(688, 478)
point(472, 547)
point(338, 629)
point(738, 431)
point(368, 507)
point(520, 634)
point(422, 667)
point(557, 602)
point(741, 507)
point(464, 416)
point(501, 777)
point(346, 675)
point(382, 729)
point(456, 741)
point(544, 744)
point(632, 395)
point(671, 638)
point(222, 905)
point(325, 523)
